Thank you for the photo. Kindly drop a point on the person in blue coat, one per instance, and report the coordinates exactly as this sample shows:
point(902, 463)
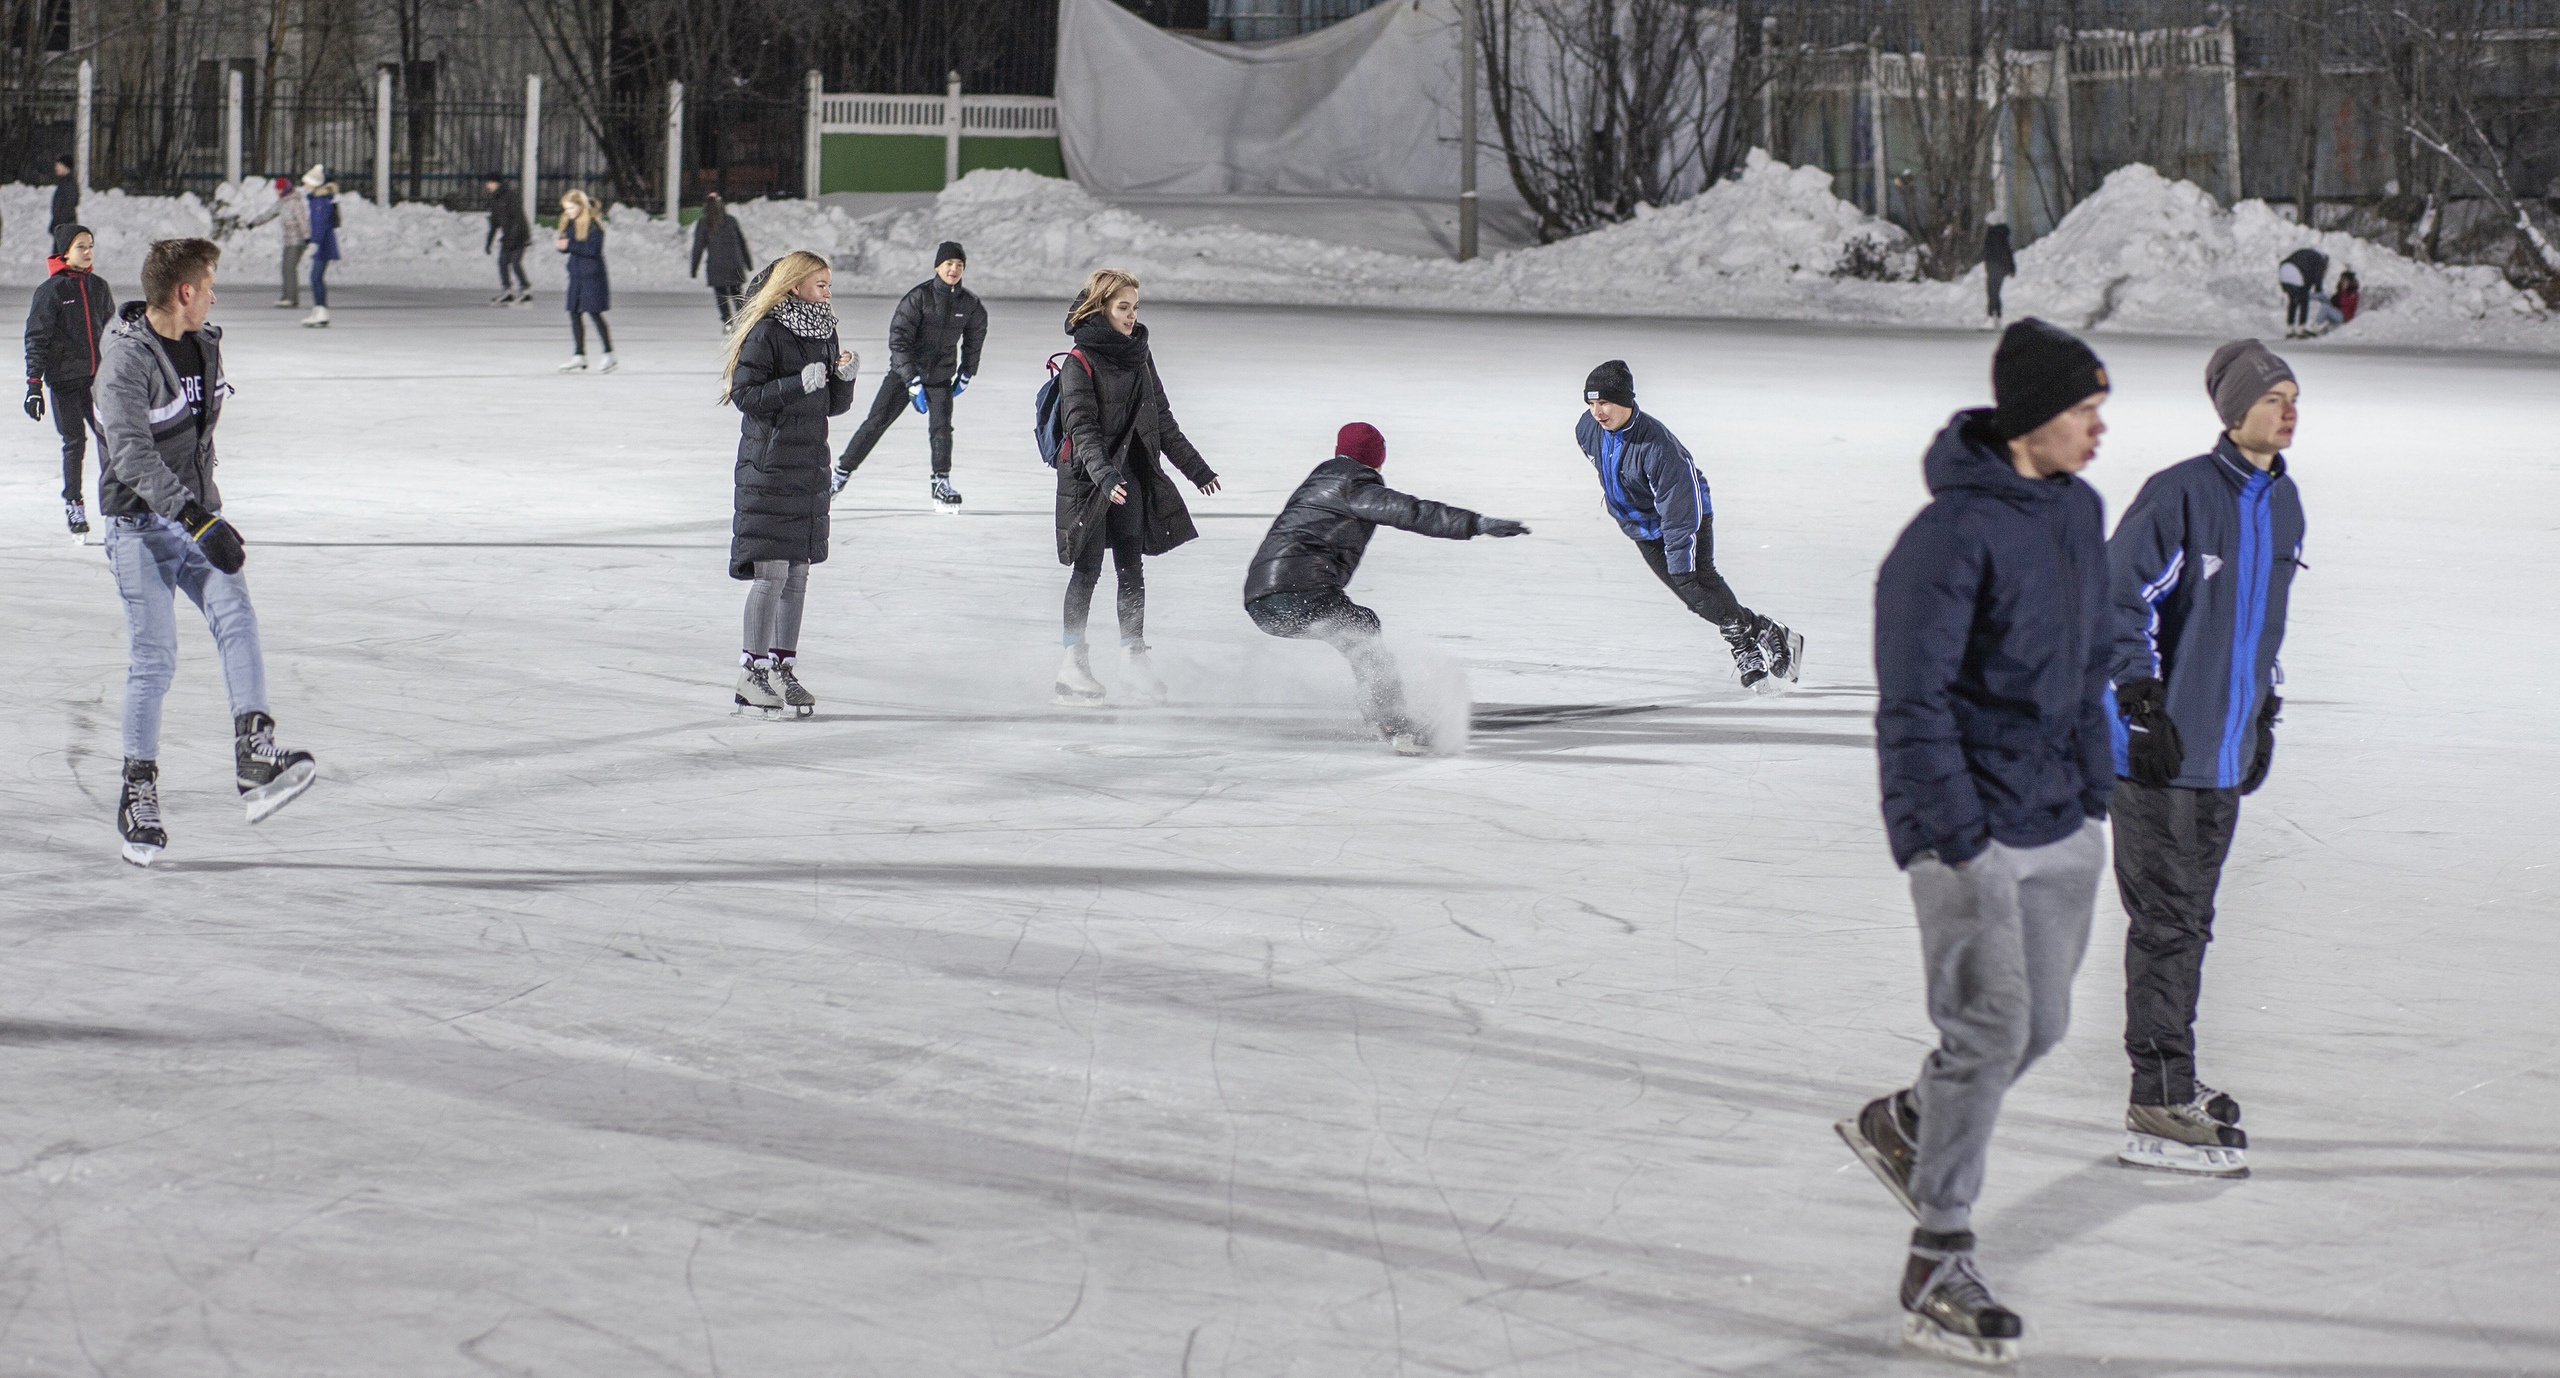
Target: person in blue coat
point(2202, 568)
point(1992, 649)
point(581, 237)
point(1654, 491)
point(321, 201)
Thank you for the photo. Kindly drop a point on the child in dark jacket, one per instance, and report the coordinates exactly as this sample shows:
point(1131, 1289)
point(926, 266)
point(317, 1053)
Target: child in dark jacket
point(66, 326)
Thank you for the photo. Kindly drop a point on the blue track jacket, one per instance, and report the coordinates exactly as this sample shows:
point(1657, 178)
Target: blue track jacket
point(1650, 485)
point(2202, 566)
point(1992, 646)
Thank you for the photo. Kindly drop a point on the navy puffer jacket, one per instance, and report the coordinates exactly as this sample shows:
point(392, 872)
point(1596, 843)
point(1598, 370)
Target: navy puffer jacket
point(1992, 649)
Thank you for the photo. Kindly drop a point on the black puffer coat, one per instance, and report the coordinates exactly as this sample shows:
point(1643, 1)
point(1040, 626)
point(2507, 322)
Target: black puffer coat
point(1322, 531)
point(725, 246)
point(67, 326)
point(935, 332)
point(782, 447)
point(1117, 423)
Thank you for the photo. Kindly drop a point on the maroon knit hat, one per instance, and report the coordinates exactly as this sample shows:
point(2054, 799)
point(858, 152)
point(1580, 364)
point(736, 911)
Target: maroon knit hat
point(1361, 441)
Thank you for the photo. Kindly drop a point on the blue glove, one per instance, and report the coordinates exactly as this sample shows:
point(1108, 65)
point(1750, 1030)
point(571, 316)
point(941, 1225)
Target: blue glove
point(960, 385)
point(915, 394)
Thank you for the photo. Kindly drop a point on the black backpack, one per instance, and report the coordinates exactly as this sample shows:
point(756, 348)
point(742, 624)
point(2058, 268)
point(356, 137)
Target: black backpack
point(1048, 419)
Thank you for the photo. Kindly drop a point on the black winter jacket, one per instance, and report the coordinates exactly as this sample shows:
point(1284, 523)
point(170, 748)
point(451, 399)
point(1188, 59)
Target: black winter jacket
point(507, 225)
point(782, 447)
point(936, 332)
point(1992, 645)
point(1322, 531)
point(2312, 264)
point(67, 326)
point(1118, 423)
point(66, 201)
point(1999, 258)
point(726, 247)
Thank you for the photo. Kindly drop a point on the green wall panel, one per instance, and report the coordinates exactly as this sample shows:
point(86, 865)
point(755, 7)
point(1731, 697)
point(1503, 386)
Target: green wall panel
point(1039, 155)
point(913, 162)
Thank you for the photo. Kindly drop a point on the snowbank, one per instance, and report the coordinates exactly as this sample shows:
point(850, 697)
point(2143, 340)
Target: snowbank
point(2143, 254)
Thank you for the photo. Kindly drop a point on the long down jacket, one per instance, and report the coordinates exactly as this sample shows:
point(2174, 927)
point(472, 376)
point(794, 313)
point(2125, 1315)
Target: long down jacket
point(1992, 645)
point(1322, 531)
point(782, 447)
point(1118, 423)
point(725, 247)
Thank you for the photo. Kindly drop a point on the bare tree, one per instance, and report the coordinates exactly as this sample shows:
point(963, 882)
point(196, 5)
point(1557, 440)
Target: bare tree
point(2441, 72)
point(1956, 71)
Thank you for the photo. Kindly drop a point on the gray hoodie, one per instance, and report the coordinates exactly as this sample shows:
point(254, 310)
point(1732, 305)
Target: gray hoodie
point(157, 458)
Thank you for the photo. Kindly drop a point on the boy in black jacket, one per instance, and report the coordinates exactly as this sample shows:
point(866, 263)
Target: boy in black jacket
point(66, 324)
point(509, 234)
point(934, 338)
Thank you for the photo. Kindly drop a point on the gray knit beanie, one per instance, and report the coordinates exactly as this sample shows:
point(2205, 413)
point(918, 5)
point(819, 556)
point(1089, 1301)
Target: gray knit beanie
point(2242, 372)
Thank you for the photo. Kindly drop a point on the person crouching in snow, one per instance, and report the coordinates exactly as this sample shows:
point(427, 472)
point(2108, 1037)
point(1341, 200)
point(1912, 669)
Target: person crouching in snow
point(787, 375)
point(1295, 585)
point(1660, 500)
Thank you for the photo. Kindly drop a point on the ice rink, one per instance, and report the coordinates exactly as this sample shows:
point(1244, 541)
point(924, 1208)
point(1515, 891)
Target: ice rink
point(571, 1026)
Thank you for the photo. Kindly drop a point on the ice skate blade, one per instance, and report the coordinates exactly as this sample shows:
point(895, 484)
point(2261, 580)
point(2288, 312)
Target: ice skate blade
point(1919, 1333)
point(756, 712)
point(1068, 698)
point(1770, 686)
point(2152, 1153)
point(1857, 1142)
point(280, 791)
point(808, 711)
point(1407, 744)
point(948, 509)
point(141, 853)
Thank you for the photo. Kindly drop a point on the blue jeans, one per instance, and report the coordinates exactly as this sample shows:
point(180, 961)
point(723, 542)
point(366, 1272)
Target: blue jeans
point(153, 560)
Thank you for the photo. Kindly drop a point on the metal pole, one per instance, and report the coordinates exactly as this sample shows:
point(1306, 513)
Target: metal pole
point(2230, 110)
point(675, 151)
point(809, 163)
point(1467, 132)
point(532, 146)
point(231, 127)
point(88, 119)
point(382, 137)
point(951, 130)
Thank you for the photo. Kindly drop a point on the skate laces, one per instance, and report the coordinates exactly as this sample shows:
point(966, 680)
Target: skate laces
point(142, 804)
point(1956, 1279)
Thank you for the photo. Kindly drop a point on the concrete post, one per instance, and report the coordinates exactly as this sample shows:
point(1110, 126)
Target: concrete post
point(2062, 119)
point(951, 130)
point(231, 98)
point(809, 164)
point(87, 123)
point(1467, 49)
point(2230, 112)
point(1767, 77)
point(675, 152)
point(532, 147)
point(382, 138)
point(1875, 125)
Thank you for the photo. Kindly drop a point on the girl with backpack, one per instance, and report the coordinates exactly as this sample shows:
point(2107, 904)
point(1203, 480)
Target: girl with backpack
point(787, 375)
point(1112, 492)
point(581, 237)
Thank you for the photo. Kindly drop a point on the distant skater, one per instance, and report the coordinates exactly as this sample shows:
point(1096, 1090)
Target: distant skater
point(2300, 275)
point(510, 234)
point(718, 239)
point(1999, 264)
point(1113, 493)
point(1992, 643)
point(1659, 499)
point(320, 202)
point(66, 194)
point(934, 338)
point(2202, 569)
point(292, 214)
point(1294, 588)
point(787, 374)
point(66, 329)
point(159, 397)
point(581, 237)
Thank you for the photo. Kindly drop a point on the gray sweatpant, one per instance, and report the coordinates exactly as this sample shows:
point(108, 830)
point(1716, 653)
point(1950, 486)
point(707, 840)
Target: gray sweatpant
point(2001, 939)
point(774, 601)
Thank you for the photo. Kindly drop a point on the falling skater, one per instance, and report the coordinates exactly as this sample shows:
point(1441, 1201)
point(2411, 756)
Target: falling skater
point(581, 237)
point(1654, 490)
point(1992, 645)
point(1294, 587)
point(787, 374)
point(2202, 568)
point(159, 397)
point(934, 338)
point(66, 327)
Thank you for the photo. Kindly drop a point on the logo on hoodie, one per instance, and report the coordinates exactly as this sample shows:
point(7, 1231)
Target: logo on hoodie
point(2212, 565)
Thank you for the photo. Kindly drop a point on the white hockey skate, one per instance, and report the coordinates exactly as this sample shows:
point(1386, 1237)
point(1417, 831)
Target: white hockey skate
point(609, 365)
point(1142, 682)
point(756, 697)
point(1077, 688)
point(2182, 1139)
point(577, 364)
point(318, 319)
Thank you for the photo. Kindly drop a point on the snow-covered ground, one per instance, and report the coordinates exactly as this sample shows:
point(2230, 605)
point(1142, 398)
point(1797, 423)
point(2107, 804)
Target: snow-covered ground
point(571, 1026)
point(2142, 254)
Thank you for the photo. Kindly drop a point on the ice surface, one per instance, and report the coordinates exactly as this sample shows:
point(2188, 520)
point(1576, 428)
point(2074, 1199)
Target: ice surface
point(570, 1026)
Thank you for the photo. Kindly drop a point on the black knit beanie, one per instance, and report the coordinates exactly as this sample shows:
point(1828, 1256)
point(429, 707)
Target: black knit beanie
point(2038, 373)
point(950, 250)
point(63, 234)
point(1611, 382)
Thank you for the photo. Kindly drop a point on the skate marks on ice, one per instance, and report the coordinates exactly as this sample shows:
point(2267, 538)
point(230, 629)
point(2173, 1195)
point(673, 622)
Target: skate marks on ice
point(1649, 734)
point(898, 878)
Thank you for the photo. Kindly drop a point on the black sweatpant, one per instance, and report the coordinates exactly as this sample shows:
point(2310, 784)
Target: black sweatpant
point(71, 419)
point(730, 297)
point(1329, 616)
point(885, 406)
point(2297, 305)
point(511, 262)
point(1707, 595)
point(2170, 846)
point(578, 330)
point(1124, 534)
point(1992, 281)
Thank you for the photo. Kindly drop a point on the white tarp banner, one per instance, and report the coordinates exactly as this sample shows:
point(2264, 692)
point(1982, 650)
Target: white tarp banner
point(1367, 107)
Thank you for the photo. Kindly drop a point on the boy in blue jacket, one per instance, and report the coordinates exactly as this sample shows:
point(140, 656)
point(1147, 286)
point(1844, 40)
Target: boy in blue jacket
point(2202, 566)
point(1659, 499)
point(1992, 650)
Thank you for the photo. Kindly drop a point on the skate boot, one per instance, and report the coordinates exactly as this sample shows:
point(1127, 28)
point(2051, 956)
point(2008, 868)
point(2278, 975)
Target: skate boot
point(2184, 1138)
point(945, 497)
point(1782, 651)
point(288, 304)
point(756, 697)
point(1144, 684)
point(1077, 688)
point(577, 364)
point(2215, 1105)
point(1948, 1310)
point(505, 298)
point(75, 514)
point(318, 319)
point(800, 701)
point(138, 812)
point(270, 777)
point(1408, 742)
point(1886, 1137)
point(609, 365)
point(1749, 660)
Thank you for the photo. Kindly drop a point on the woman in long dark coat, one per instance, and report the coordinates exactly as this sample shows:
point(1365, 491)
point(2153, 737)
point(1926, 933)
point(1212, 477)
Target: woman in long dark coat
point(717, 237)
point(787, 374)
point(581, 237)
point(1112, 491)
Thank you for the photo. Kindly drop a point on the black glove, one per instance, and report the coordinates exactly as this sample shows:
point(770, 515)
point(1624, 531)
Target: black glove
point(35, 399)
point(213, 536)
point(1498, 526)
point(836, 480)
point(2268, 717)
point(2153, 755)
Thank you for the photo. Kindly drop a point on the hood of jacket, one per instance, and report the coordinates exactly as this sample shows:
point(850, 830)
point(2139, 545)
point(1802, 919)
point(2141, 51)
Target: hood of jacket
point(130, 320)
point(1968, 455)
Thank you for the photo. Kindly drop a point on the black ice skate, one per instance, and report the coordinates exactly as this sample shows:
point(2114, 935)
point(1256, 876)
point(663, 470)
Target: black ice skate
point(946, 498)
point(138, 813)
point(1077, 688)
point(756, 697)
point(1886, 1137)
point(800, 701)
point(1749, 660)
point(1783, 652)
point(1948, 1310)
point(270, 777)
point(75, 514)
point(2185, 1138)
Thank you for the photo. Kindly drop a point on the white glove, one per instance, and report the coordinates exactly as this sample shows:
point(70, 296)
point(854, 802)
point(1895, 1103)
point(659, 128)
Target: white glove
point(813, 377)
point(849, 367)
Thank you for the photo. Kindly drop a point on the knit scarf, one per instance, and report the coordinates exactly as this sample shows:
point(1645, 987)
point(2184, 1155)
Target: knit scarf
point(810, 320)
